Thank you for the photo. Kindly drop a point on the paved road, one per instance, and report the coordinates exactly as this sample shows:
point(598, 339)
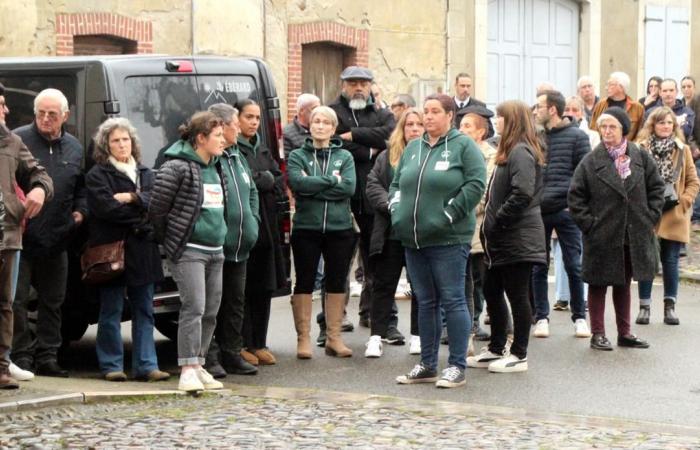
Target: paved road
point(659, 385)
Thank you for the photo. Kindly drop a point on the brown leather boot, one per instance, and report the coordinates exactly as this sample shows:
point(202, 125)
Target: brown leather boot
point(301, 308)
point(335, 305)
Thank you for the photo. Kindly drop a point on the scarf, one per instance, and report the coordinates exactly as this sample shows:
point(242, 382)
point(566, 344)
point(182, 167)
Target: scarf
point(620, 158)
point(128, 168)
point(662, 151)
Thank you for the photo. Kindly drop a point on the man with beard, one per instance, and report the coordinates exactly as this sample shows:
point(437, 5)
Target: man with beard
point(364, 130)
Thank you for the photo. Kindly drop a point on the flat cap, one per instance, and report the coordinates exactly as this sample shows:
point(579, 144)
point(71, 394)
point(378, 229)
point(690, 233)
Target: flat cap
point(356, 73)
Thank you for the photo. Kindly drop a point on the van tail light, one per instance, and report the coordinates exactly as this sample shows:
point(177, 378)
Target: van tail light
point(179, 66)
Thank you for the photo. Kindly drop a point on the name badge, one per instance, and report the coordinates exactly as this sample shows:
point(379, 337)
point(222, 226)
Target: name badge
point(245, 178)
point(442, 165)
point(213, 196)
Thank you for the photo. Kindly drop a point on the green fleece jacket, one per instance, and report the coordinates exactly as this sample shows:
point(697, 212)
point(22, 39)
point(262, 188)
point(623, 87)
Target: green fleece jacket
point(209, 231)
point(322, 201)
point(435, 190)
point(242, 211)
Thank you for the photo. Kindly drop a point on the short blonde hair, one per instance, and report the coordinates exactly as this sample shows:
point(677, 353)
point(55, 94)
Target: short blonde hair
point(326, 112)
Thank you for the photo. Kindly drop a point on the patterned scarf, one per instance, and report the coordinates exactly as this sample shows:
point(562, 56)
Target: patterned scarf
point(619, 156)
point(662, 151)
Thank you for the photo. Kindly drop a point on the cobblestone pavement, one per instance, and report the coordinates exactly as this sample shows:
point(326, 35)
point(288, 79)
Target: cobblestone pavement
point(227, 420)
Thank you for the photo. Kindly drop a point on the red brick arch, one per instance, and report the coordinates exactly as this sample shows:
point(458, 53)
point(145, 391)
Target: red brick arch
point(107, 24)
point(306, 33)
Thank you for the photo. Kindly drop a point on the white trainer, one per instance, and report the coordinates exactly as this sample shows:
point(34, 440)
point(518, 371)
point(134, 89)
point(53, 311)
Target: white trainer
point(189, 381)
point(581, 329)
point(483, 359)
point(374, 347)
point(208, 380)
point(510, 363)
point(414, 345)
point(20, 374)
point(542, 328)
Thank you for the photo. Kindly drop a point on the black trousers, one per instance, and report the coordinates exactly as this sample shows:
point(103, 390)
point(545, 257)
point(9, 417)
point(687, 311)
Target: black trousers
point(366, 223)
point(228, 336)
point(386, 268)
point(478, 272)
point(336, 248)
point(514, 281)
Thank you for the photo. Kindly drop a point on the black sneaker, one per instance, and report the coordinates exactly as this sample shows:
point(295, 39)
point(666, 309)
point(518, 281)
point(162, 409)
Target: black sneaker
point(394, 337)
point(364, 321)
point(215, 370)
point(346, 326)
point(236, 365)
point(321, 339)
point(451, 377)
point(419, 374)
point(561, 305)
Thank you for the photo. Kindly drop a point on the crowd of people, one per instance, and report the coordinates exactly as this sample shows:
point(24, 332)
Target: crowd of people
point(471, 206)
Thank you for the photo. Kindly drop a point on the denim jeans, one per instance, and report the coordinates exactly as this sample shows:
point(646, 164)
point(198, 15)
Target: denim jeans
point(110, 350)
point(437, 276)
point(569, 237)
point(561, 281)
point(670, 253)
point(199, 279)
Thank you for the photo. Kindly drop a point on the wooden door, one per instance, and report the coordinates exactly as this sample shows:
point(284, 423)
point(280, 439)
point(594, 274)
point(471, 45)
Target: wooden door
point(321, 65)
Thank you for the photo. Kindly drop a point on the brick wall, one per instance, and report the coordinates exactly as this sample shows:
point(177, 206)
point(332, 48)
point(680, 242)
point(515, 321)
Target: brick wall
point(109, 24)
point(306, 33)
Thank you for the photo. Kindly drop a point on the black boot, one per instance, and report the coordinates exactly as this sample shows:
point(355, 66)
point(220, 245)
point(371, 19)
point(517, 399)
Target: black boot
point(643, 316)
point(670, 317)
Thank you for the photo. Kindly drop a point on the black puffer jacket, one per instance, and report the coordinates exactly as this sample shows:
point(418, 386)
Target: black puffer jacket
point(370, 129)
point(176, 202)
point(378, 182)
point(512, 231)
point(62, 158)
point(567, 144)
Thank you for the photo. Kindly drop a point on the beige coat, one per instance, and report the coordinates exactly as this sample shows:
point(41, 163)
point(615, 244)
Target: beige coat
point(675, 223)
point(490, 159)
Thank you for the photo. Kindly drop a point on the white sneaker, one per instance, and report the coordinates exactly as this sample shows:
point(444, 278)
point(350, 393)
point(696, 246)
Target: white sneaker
point(20, 374)
point(355, 289)
point(483, 359)
point(208, 380)
point(189, 381)
point(510, 363)
point(414, 345)
point(374, 347)
point(542, 328)
point(581, 329)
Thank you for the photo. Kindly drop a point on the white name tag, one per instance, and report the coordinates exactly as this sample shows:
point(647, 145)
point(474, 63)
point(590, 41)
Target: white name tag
point(245, 178)
point(213, 196)
point(442, 165)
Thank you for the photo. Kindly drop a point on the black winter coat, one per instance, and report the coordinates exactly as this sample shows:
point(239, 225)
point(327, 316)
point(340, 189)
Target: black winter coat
point(612, 212)
point(266, 265)
point(111, 221)
point(48, 233)
point(176, 202)
point(566, 145)
point(370, 129)
point(378, 182)
point(512, 230)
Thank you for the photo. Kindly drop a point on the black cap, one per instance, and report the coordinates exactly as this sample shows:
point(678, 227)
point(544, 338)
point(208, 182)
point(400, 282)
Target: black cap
point(478, 110)
point(356, 73)
point(621, 116)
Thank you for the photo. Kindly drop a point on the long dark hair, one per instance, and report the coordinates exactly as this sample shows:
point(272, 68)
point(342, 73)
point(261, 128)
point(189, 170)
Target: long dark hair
point(518, 127)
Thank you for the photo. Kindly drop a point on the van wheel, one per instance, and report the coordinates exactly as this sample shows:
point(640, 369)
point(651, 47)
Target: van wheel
point(167, 325)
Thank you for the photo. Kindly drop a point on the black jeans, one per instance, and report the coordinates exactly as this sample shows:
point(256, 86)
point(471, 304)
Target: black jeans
point(228, 336)
point(478, 272)
point(366, 223)
point(514, 280)
point(336, 248)
point(386, 268)
point(48, 275)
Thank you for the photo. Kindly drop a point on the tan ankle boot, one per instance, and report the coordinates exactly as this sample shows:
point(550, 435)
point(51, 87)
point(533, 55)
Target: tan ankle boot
point(301, 308)
point(335, 304)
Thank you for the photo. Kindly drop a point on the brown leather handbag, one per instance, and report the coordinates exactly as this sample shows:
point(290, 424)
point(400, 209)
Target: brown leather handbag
point(103, 262)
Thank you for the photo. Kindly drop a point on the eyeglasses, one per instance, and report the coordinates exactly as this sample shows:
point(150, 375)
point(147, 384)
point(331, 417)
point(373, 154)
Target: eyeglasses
point(52, 115)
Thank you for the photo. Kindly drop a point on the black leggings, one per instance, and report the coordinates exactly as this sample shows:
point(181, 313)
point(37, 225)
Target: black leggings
point(336, 248)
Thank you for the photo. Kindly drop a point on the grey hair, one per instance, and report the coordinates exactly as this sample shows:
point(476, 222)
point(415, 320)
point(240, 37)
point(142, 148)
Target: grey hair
point(622, 78)
point(576, 99)
point(326, 112)
point(306, 99)
point(582, 80)
point(223, 111)
point(54, 94)
point(405, 99)
point(101, 154)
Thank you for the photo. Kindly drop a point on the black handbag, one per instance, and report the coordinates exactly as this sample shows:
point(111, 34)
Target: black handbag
point(670, 195)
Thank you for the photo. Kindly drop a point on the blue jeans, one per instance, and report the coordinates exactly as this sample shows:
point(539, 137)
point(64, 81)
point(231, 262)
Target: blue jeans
point(569, 237)
point(437, 277)
point(670, 253)
point(561, 282)
point(110, 350)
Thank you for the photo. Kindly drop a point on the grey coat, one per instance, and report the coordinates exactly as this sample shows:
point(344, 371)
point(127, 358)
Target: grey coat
point(613, 213)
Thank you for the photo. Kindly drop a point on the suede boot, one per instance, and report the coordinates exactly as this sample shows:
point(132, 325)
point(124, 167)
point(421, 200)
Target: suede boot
point(301, 308)
point(335, 306)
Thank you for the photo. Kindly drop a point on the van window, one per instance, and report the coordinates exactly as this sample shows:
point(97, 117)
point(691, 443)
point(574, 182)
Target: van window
point(158, 105)
point(20, 91)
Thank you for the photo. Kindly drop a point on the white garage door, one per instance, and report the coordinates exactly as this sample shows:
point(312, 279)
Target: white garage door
point(529, 42)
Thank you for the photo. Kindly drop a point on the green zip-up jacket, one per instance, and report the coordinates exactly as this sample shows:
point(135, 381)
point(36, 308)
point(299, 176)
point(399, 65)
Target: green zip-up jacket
point(435, 190)
point(242, 211)
point(322, 202)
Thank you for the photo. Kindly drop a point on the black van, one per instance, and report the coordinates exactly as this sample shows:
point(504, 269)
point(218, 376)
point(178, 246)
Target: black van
point(156, 93)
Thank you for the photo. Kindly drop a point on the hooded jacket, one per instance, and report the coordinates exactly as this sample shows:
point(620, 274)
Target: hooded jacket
point(322, 202)
point(435, 191)
point(48, 232)
point(176, 202)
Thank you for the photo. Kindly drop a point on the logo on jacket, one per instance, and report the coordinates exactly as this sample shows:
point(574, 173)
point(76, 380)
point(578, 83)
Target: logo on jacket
point(445, 153)
point(338, 163)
